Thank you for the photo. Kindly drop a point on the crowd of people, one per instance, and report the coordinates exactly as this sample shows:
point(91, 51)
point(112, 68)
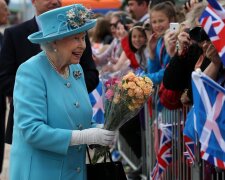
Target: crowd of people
point(50, 63)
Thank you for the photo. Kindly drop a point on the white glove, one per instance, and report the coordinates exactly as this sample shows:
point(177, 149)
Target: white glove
point(92, 136)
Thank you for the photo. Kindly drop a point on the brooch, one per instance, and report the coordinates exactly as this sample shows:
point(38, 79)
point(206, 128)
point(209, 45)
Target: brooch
point(77, 74)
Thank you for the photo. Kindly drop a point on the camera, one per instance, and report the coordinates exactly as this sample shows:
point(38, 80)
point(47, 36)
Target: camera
point(198, 34)
point(174, 27)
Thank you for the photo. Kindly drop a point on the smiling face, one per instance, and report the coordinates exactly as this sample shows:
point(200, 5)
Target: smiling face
point(70, 49)
point(138, 39)
point(136, 10)
point(159, 22)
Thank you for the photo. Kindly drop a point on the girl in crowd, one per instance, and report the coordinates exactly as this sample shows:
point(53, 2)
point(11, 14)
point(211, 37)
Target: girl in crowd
point(134, 52)
point(102, 36)
point(160, 17)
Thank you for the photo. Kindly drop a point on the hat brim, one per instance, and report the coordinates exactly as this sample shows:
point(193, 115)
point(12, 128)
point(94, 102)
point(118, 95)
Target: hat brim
point(38, 37)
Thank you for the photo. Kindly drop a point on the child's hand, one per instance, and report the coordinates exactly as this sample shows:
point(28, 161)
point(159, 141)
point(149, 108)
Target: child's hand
point(152, 45)
point(170, 39)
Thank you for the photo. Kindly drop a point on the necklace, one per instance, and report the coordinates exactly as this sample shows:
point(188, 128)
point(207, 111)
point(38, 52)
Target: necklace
point(65, 74)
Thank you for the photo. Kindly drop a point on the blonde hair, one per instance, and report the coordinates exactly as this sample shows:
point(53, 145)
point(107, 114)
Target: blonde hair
point(193, 16)
point(167, 8)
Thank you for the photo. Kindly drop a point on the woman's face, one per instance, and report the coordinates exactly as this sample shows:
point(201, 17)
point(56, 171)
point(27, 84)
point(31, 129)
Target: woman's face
point(70, 49)
point(159, 22)
point(113, 22)
point(138, 39)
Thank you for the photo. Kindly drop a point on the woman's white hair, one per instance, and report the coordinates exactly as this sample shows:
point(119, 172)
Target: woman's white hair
point(47, 47)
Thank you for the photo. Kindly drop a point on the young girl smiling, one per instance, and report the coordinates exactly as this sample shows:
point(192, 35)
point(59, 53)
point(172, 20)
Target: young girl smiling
point(160, 17)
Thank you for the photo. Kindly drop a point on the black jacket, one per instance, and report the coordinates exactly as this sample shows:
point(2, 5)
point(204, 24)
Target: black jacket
point(2, 119)
point(17, 48)
point(177, 75)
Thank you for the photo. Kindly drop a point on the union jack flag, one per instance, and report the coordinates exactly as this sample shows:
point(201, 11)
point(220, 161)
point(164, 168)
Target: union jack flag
point(187, 158)
point(96, 98)
point(190, 136)
point(155, 174)
point(164, 156)
point(212, 20)
point(190, 147)
point(210, 118)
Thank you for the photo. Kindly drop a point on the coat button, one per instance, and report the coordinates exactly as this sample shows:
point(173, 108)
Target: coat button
point(68, 85)
point(78, 169)
point(76, 104)
point(79, 126)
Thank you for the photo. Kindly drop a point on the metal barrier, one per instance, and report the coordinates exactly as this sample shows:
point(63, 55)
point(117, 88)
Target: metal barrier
point(179, 169)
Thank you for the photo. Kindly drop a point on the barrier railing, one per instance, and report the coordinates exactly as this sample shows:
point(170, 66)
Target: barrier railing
point(179, 168)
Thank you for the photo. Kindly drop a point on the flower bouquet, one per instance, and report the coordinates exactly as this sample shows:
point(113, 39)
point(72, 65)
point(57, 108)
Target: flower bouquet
point(124, 98)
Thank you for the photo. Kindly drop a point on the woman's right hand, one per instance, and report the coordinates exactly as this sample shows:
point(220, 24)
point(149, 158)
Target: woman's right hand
point(93, 136)
point(184, 42)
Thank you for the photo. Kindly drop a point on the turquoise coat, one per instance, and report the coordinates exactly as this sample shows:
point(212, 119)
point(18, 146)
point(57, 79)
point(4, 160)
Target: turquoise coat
point(47, 109)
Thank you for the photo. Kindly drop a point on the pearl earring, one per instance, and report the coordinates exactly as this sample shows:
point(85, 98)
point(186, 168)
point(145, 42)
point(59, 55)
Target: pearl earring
point(55, 50)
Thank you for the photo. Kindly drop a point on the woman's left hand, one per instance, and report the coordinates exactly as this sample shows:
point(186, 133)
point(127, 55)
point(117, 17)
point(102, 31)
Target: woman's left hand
point(211, 53)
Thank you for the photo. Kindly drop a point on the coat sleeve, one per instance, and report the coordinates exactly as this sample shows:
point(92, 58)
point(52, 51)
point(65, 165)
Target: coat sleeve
point(177, 75)
point(155, 70)
point(30, 113)
point(90, 72)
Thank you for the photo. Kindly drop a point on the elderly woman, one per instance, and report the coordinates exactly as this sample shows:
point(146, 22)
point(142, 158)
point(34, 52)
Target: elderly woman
point(52, 109)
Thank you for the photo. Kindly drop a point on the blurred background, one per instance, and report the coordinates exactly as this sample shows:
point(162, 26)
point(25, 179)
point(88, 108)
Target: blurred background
point(22, 10)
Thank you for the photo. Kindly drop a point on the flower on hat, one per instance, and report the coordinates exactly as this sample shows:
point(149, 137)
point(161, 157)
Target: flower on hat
point(78, 17)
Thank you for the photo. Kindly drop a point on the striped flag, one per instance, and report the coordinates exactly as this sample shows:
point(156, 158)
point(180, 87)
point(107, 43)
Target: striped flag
point(190, 149)
point(190, 136)
point(209, 109)
point(164, 156)
point(213, 22)
point(96, 98)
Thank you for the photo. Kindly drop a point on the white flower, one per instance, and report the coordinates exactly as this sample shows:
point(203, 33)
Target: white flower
point(77, 19)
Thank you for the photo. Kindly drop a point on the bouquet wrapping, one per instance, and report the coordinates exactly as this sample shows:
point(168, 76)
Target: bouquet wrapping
point(124, 98)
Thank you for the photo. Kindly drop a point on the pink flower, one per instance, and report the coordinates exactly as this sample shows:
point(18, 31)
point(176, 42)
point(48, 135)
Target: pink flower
point(112, 82)
point(109, 94)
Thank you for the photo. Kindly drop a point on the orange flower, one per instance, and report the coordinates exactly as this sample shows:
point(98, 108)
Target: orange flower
point(130, 92)
point(131, 85)
point(125, 86)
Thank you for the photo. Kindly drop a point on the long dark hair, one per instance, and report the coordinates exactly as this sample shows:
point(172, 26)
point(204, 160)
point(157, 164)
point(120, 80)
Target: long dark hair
point(139, 27)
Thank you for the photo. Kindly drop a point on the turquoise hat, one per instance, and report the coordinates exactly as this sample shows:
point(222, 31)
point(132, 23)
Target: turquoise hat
point(62, 22)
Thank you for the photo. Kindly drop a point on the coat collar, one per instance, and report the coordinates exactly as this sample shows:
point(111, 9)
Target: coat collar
point(32, 25)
